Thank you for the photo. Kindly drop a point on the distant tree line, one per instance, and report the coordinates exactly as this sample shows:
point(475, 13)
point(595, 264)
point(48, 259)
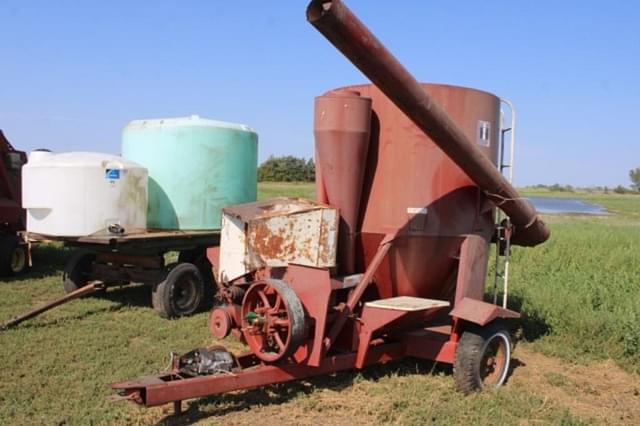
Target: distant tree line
point(287, 169)
point(634, 175)
point(556, 187)
point(293, 169)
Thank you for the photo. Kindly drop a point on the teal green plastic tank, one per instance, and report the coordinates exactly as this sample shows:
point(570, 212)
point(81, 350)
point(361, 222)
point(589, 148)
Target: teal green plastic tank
point(196, 167)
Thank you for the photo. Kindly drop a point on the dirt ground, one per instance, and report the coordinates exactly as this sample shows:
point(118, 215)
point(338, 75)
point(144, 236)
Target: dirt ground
point(600, 391)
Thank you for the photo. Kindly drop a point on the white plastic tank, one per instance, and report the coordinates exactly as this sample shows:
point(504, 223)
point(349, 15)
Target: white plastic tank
point(83, 193)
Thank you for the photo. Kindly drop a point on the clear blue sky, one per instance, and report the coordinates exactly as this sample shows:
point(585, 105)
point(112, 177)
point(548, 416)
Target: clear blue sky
point(74, 73)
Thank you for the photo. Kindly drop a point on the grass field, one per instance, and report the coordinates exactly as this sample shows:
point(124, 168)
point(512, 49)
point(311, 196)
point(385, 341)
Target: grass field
point(581, 290)
point(267, 190)
point(580, 295)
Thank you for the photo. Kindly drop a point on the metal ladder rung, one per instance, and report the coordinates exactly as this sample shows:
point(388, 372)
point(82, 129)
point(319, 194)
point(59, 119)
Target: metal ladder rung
point(502, 262)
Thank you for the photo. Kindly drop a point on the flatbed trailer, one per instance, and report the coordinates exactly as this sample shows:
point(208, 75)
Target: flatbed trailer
point(139, 256)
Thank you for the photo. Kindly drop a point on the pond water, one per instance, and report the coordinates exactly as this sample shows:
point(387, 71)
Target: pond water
point(565, 205)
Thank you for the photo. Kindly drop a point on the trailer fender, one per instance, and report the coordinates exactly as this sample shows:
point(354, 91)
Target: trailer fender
point(479, 312)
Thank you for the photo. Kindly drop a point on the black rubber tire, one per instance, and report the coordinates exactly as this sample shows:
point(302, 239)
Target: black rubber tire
point(208, 282)
point(180, 293)
point(198, 257)
point(76, 271)
point(14, 257)
point(476, 343)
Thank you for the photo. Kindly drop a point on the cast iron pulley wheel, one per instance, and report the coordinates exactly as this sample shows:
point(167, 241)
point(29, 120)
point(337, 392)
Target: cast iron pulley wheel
point(482, 358)
point(77, 270)
point(13, 255)
point(272, 320)
point(220, 322)
point(180, 293)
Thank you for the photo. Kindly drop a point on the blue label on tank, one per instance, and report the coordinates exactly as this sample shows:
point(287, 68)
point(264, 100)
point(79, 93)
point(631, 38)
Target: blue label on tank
point(112, 174)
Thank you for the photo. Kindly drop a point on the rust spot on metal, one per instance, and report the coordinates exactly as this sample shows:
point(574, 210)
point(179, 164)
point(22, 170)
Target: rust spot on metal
point(285, 230)
point(266, 242)
point(271, 208)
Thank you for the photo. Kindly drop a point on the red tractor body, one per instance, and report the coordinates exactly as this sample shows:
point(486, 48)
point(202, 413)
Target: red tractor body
point(13, 252)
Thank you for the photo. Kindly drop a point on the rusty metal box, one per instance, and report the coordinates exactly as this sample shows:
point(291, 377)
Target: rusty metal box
point(275, 233)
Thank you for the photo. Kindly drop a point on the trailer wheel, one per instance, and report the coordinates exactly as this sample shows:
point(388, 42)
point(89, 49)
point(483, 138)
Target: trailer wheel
point(483, 357)
point(199, 258)
point(180, 293)
point(13, 256)
point(77, 270)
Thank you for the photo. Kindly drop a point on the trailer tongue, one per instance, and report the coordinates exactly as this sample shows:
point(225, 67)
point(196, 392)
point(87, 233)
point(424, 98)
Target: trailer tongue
point(247, 373)
point(90, 288)
point(417, 200)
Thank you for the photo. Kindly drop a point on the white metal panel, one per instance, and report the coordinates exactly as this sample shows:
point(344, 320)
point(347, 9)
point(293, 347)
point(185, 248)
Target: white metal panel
point(277, 233)
point(232, 258)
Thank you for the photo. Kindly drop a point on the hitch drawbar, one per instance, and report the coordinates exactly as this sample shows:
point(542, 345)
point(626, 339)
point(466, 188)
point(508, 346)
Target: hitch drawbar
point(82, 291)
point(248, 372)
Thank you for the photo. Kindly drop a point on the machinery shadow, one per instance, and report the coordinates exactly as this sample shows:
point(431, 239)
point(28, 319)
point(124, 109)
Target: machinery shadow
point(220, 405)
point(67, 319)
point(515, 364)
point(136, 295)
point(132, 295)
point(530, 326)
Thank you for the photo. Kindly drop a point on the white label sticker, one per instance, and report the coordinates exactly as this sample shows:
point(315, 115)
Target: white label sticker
point(416, 210)
point(484, 133)
point(112, 174)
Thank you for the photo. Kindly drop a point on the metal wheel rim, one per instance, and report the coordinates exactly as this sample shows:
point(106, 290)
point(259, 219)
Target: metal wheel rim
point(18, 260)
point(267, 340)
point(495, 360)
point(185, 292)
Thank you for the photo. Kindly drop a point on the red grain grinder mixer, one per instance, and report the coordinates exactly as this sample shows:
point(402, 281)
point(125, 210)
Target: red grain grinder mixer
point(413, 170)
